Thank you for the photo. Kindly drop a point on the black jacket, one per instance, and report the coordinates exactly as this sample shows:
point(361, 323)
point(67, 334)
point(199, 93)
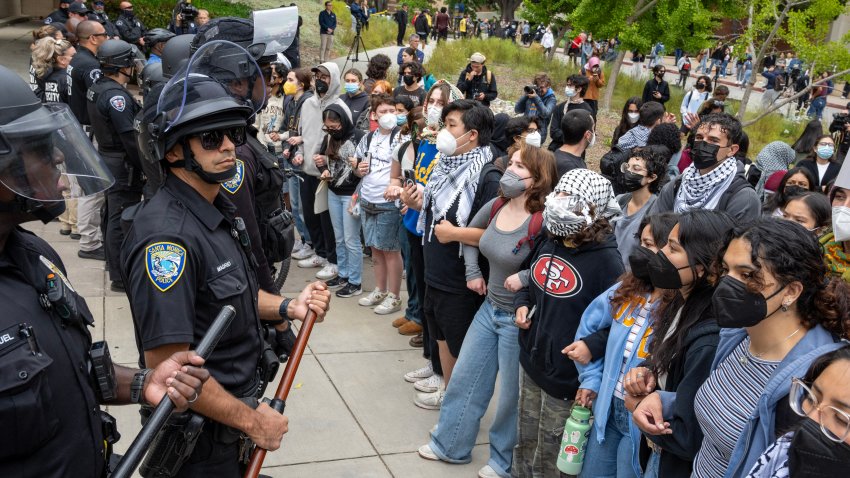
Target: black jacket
point(652, 86)
point(573, 277)
point(421, 24)
point(471, 85)
point(555, 131)
point(812, 167)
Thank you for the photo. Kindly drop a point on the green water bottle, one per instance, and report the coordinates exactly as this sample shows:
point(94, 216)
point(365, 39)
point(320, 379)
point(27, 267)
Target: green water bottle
point(574, 441)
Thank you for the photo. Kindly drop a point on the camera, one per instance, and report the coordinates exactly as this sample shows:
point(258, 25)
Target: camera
point(188, 11)
point(529, 89)
point(841, 119)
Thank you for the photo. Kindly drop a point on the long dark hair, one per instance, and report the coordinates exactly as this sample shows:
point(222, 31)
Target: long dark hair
point(807, 140)
point(813, 152)
point(624, 118)
point(779, 198)
point(701, 234)
point(818, 205)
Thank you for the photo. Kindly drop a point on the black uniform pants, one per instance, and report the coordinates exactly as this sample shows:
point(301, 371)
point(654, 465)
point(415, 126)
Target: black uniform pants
point(400, 38)
point(126, 192)
point(212, 459)
point(417, 263)
point(318, 225)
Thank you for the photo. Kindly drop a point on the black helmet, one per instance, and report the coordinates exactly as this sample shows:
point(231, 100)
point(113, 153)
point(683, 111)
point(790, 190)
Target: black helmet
point(235, 30)
point(116, 54)
point(40, 147)
point(176, 54)
point(151, 76)
point(157, 35)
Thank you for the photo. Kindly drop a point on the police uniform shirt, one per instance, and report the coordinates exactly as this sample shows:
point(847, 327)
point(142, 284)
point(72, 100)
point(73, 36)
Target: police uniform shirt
point(181, 264)
point(56, 87)
point(58, 16)
point(48, 408)
point(130, 29)
point(112, 110)
point(82, 72)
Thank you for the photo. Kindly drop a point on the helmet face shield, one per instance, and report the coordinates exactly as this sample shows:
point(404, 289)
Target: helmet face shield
point(44, 153)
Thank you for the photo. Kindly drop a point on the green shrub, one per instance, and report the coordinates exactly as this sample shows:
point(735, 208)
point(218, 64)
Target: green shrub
point(157, 13)
point(381, 31)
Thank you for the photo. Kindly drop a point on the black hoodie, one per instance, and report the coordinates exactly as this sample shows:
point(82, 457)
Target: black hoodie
point(343, 180)
point(358, 103)
point(576, 276)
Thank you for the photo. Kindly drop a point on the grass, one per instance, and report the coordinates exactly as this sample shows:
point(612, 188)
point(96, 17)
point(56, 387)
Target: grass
point(381, 32)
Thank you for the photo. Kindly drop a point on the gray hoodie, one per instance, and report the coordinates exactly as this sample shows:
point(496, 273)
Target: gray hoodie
point(311, 119)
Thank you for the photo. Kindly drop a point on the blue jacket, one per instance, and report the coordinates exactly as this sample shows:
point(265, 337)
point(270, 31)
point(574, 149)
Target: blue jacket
point(601, 375)
point(540, 108)
point(420, 55)
point(326, 20)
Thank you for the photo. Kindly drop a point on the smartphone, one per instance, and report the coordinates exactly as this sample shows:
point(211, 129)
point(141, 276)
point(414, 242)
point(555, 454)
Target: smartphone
point(408, 175)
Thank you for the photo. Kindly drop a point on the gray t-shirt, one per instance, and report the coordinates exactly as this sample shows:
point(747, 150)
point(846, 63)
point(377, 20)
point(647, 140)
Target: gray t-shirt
point(626, 226)
point(498, 247)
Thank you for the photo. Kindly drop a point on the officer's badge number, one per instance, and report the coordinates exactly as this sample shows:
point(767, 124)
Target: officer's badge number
point(165, 262)
point(235, 183)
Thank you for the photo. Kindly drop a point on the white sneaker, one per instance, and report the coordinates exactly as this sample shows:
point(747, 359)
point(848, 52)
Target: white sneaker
point(314, 261)
point(374, 298)
point(390, 304)
point(430, 401)
point(419, 373)
point(430, 384)
point(302, 252)
point(328, 272)
point(426, 452)
point(487, 472)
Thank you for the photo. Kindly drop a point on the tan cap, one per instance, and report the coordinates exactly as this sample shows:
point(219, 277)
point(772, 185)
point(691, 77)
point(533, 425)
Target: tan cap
point(477, 58)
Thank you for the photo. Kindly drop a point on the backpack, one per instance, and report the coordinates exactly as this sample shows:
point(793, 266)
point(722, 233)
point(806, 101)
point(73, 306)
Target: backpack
point(534, 226)
point(369, 136)
point(479, 201)
point(609, 167)
point(686, 66)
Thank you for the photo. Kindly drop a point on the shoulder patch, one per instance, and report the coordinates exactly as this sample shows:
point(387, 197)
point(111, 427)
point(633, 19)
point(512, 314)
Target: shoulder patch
point(95, 74)
point(165, 262)
point(52, 267)
point(235, 183)
point(48, 20)
point(118, 102)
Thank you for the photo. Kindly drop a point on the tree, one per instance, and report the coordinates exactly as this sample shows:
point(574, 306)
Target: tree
point(507, 8)
point(552, 13)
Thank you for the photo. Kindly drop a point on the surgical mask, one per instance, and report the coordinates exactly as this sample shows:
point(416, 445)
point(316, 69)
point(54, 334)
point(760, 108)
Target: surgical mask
point(351, 88)
point(401, 119)
point(447, 143)
point(388, 121)
point(704, 154)
point(289, 88)
point(736, 307)
point(512, 185)
point(841, 223)
point(632, 181)
point(633, 117)
point(408, 80)
point(570, 92)
point(434, 115)
point(813, 455)
point(321, 87)
point(663, 274)
point(592, 140)
point(534, 139)
point(639, 261)
point(826, 152)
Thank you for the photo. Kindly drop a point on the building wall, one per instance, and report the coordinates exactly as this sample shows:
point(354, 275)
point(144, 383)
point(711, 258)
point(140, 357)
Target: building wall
point(839, 28)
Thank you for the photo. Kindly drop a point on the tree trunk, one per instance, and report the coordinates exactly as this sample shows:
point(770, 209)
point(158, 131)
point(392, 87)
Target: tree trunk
point(562, 32)
point(508, 8)
point(612, 79)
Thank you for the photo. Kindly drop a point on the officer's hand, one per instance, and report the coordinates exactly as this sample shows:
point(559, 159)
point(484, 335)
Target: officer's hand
point(316, 297)
point(180, 376)
point(268, 428)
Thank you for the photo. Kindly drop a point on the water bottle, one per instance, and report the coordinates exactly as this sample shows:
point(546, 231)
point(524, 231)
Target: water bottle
point(574, 441)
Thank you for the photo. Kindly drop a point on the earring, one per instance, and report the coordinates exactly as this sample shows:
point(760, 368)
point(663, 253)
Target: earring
point(785, 307)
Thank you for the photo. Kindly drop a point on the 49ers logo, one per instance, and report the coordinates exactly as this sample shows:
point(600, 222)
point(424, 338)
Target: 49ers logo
point(556, 276)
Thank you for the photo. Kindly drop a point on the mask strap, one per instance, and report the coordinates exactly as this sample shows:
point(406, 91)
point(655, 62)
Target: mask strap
point(772, 296)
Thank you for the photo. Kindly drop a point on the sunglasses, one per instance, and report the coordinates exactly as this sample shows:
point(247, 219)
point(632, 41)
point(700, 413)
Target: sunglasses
point(212, 140)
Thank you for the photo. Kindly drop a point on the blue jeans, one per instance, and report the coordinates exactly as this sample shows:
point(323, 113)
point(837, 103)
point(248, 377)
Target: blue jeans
point(295, 202)
point(817, 107)
point(652, 466)
point(414, 308)
point(747, 75)
point(613, 457)
point(491, 345)
point(349, 253)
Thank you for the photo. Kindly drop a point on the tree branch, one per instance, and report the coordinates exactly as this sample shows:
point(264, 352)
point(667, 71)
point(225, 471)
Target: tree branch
point(641, 11)
point(803, 92)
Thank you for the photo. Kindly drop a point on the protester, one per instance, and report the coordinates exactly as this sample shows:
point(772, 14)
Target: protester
point(574, 91)
point(376, 70)
point(776, 156)
point(695, 98)
point(297, 90)
point(411, 74)
point(477, 82)
point(794, 182)
point(657, 89)
point(596, 80)
point(356, 98)
point(578, 132)
point(821, 161)
point(538, 103)
point(810, 210)
point(835, 240)
point(805, 144)
point(650, 115)
point(628, 119)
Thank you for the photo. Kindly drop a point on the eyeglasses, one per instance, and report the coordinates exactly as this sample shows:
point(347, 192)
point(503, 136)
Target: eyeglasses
point(635, 168)
point(826, 143)
point(834, 423)
point(212, 140)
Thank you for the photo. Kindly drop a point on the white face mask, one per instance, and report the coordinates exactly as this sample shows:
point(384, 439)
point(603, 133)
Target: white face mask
point(433, 118)
point(447, 143)
point(841, 223)
point(388, 121)
point(633, 117)
point(534, 139)
point(570, 92)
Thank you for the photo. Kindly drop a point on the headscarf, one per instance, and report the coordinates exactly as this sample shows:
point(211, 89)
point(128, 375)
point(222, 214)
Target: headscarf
point(455, 94)
point(589, 196)
point(776, 156)
point(593, 61)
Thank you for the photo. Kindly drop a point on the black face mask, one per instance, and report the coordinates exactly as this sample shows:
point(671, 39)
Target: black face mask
point(793, 191)
point(128, 13)
point(736, 307)
point(632, 181)
point(336, 134)
point(700, 86)
point(408, 80)
point(813, 455)
point(663, 274)
point(704, 154)
point(321, 87)
point(639, 261)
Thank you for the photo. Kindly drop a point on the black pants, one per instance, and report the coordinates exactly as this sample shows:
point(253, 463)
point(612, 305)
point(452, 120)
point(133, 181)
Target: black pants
point(594, 105)
point(318, 225)
point(126, 192)
point(399, 40)
point(211, 458)
point(417, 263)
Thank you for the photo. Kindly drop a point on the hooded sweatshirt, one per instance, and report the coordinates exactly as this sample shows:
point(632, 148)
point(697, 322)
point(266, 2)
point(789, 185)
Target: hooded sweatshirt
point(311, 119)
point(343, 180)
point(572, 277)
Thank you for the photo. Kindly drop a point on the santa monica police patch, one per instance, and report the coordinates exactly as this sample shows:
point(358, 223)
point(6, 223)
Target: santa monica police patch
point(235, 183)
point(165, 262)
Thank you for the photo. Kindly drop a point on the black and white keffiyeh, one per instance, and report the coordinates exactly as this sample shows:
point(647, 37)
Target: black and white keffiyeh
point(703, 192)
point(586, 196)
point(454, 179)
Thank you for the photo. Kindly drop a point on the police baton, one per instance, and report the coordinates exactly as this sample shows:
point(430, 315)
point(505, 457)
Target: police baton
point(279, 401)
point(161, 413)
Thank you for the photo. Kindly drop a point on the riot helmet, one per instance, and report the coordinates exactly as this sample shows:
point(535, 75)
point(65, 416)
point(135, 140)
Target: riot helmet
point(114, 55)
point(157, 35)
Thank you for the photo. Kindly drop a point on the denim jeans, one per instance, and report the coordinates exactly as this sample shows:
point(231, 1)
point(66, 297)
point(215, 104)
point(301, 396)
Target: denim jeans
point(817, 107)
point(491, 345)
point(613, 457)
point(349, 254)
point(295, 202)
point(652, 466)
point(414, 308)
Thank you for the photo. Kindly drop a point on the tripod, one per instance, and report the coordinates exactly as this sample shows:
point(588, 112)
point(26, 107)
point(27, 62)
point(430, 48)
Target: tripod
point(356, 46)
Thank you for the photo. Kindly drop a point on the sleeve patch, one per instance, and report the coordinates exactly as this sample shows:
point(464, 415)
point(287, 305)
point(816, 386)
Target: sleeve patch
point(118, 102)
point(165, 262)
point(232, 185)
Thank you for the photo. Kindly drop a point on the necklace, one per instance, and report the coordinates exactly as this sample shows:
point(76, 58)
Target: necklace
point(743, 358)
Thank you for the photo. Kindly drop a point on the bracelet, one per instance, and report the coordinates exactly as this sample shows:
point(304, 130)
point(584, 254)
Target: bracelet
point(138, 384)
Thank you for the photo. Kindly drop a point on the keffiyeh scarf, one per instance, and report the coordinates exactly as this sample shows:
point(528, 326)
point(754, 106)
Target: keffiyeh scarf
point(703, 192)
point(587, 197)
point(776, 156)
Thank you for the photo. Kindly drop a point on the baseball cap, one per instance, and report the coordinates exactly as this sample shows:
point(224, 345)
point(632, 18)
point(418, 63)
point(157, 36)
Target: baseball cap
point(78, 8)
point(320, 69)
point(477, 58)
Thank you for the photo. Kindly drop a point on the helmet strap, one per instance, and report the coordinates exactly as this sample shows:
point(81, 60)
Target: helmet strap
point(190, 164)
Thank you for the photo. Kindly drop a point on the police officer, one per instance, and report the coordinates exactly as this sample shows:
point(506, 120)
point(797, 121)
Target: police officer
point(112, 110)
point(187, 254)
point(130, 28)
point(155, 40)
point(99, 14)
point(49, 397)
point(60, 15)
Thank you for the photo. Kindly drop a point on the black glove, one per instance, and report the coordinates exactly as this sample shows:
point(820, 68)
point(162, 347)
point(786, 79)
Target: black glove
point(282, 342)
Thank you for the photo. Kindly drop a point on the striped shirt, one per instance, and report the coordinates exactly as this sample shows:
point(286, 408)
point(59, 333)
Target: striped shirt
point(724, 404)
point(632, 342)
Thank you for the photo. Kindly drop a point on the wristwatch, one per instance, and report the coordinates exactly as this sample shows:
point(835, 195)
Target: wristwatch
point(138, 384)
point(282, 311)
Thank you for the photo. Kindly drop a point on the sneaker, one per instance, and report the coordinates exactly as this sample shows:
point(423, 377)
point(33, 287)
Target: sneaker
point(430, 384)
point(336, 283)
point(487, 472)
point(410, 328)
point(426, 452)
point(65, 232)
point(303, 252)
point(314, 261)
point(75, 236)
point(390, 304)
point(328, 272)
point(96, 254)
point(374, 298)
point(350, 290)
point(430, 401)
point(400, 321)
point(417, 341)
point(419, 373)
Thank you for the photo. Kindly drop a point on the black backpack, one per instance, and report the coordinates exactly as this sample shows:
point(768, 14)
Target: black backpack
point(275, 224)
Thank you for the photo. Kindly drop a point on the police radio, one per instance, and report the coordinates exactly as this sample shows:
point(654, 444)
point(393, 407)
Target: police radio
point(103, 372)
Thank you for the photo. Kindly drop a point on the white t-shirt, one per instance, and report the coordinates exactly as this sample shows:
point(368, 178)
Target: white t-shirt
point(821, 171)
point(374, 185)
